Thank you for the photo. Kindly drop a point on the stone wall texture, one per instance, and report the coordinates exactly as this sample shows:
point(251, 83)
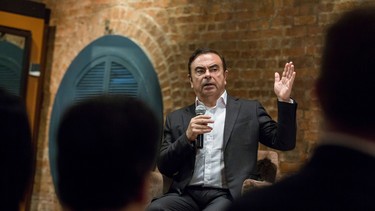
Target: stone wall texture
point(257, 38)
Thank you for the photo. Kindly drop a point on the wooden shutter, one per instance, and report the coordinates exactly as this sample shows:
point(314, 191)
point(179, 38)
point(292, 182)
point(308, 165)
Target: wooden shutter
point(10, 67)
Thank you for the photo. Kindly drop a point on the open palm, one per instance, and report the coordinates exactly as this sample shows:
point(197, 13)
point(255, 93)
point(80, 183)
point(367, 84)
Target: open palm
point(283, 86)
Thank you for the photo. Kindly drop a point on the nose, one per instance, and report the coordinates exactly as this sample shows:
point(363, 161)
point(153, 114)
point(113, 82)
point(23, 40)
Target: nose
point(207, 74)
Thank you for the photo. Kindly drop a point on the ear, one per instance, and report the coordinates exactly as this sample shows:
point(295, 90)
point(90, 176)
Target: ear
point(225, 76)
point(191, 81)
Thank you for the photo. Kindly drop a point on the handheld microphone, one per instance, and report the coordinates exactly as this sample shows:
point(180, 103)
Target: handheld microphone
point(200, 110)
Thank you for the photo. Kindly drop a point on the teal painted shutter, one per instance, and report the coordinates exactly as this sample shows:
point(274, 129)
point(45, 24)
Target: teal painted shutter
point(11, 59)
point(106, 75)
point(122, 81)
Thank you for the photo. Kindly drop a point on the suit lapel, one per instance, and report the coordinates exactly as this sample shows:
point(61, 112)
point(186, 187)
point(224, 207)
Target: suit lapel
point(232, 110)
point(189, 113)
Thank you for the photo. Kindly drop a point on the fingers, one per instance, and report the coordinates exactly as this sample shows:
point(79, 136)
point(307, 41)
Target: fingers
point(202, 121)
point(292, 79)
point(288, 70)
point(277, 77)
point(287, 74)
point(200, 124)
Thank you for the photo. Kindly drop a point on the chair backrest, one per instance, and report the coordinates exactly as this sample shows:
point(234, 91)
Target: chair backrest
point(268, 168)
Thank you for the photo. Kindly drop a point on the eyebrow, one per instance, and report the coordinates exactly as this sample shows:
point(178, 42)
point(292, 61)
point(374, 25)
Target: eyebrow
point(214, 65)
point(204, 67)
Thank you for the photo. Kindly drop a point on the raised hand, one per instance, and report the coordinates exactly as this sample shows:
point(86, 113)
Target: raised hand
point(283, 86)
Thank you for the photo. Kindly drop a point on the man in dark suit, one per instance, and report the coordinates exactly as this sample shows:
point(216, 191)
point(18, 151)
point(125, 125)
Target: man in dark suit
point(209, 178)
point(340, 174)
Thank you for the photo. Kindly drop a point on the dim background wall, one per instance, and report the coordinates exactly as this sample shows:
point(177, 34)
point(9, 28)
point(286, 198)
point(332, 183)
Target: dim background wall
point(257, 38)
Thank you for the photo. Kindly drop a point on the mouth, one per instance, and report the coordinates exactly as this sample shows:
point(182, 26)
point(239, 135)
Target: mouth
point(208, 85)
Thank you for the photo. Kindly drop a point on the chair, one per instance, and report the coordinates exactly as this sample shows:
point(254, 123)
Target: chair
point(156, 181)
point(268, 169)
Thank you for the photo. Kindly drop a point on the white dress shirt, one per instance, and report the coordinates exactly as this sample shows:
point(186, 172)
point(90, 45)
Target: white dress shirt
point(209, 161)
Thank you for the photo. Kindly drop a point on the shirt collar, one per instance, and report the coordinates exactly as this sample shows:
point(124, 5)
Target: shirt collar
point(222, 100)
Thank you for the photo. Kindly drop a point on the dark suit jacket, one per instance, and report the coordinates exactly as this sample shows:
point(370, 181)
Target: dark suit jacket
point(336, 178)
point(246, 123)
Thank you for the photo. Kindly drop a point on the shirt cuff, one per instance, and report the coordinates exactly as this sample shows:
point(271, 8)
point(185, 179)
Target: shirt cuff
point(291, 101)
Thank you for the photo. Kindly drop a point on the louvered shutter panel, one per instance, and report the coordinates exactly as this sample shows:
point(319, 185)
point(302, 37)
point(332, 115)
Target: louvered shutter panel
point(10, 76)
point(122, 81)
point(91, 83)
point(105, 76)
point(10, 67)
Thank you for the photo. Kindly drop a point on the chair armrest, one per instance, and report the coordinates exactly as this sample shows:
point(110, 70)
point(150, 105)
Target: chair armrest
point(156, 184)
point(251, 184)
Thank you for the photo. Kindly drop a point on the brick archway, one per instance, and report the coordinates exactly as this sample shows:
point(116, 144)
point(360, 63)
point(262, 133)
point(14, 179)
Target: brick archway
point(150, 36)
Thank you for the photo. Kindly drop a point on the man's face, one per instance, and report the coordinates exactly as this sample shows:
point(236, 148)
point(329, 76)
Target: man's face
point(208, 78)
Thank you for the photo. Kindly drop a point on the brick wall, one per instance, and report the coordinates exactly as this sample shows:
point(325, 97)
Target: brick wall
point(257, 38)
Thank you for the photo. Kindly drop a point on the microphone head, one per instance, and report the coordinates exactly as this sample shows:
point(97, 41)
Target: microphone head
point(200, 110)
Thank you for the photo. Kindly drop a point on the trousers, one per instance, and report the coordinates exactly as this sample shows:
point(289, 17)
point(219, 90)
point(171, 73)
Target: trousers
point(194, 198)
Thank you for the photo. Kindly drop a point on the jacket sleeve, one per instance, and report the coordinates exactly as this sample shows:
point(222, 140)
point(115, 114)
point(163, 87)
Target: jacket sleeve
point(175, 150)
point(279, 135)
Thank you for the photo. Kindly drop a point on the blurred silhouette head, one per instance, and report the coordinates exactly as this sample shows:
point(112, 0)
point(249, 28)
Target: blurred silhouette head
point(346, 85)
point(16, 153)
point(106, 147)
